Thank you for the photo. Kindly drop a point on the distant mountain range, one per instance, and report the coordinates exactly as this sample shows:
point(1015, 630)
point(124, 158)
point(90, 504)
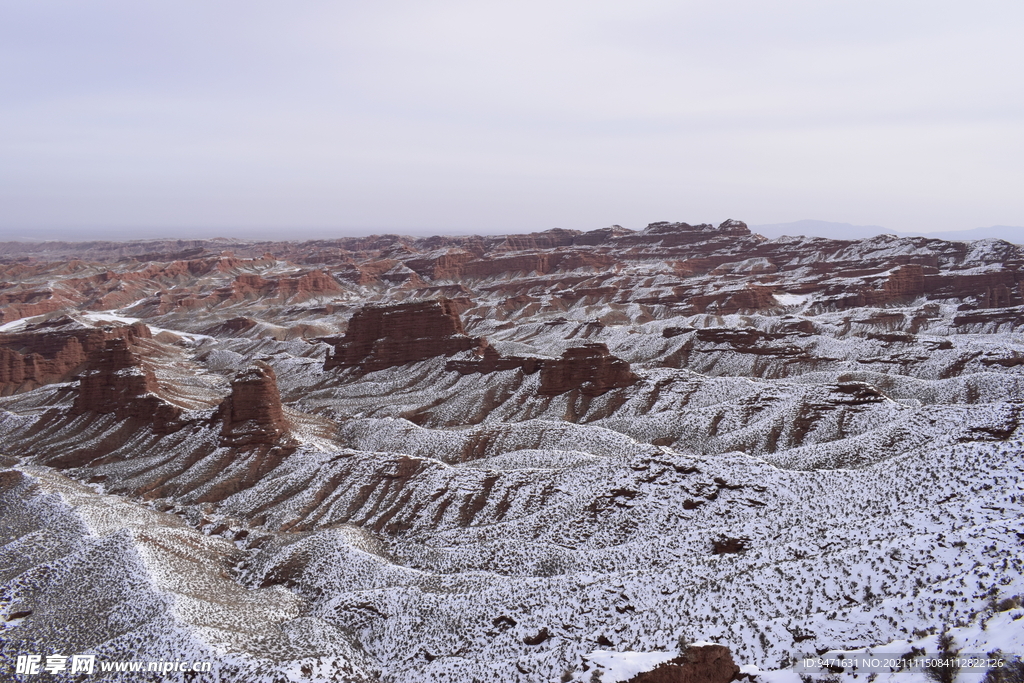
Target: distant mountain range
point(847, 231)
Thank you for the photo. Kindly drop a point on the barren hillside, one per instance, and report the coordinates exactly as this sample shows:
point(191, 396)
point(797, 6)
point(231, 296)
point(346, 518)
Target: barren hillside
point(502, 458)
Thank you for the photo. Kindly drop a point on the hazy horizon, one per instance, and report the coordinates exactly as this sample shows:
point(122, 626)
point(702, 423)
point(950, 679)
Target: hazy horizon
point(457, 117)
point(805, 227)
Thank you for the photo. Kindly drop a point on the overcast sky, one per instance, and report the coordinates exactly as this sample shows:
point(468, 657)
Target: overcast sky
point(426, 117)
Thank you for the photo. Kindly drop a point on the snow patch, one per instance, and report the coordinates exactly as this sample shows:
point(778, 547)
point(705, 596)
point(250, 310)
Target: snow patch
point(621, 666)
point(785, 299)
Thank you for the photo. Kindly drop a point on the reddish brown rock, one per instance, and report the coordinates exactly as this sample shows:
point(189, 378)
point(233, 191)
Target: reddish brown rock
point(996, 297)
point(590, 368)
point(490, 360)
point(906, 282)
point(460, 264)
point(117, 381)
point(548, 239)
point(365, 273)
point(28, 303)
point(699, 664)
point(667, 234)
point(747, 299)
point(978, 286)
point(54, 351)
point(232, 326)
point(252, 414)
point(114, 377)
point(248, 286)
point(380, 337)
point(601, 236)
point(446, 266)
point(313, 283)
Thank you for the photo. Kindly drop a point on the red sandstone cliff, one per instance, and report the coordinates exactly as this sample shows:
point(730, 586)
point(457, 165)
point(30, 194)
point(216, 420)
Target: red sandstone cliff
point(380, 337)
point(117, 381)
point(589, 368)
point(54, 351)
point(252, 414)
point(492, 361)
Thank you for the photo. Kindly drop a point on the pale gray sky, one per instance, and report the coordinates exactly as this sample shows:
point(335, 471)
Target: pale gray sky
point(451, 116)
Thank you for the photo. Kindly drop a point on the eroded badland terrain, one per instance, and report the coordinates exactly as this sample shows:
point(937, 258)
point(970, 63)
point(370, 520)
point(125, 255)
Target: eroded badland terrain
point(485, 458)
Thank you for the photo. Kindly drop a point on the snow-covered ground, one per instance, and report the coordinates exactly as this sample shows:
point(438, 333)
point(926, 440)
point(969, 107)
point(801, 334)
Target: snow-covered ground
point(815, 477)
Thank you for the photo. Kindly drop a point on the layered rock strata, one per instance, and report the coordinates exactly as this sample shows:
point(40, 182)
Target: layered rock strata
point(590, 368)
point(118, 382)
point(380, 337)
point(252, 415)
point(490, 360)
point(54, 351)
point(792, 392)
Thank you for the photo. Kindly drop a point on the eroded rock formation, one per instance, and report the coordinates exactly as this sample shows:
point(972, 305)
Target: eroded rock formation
point(490, 360)
point(380, 337)
point(699, 664)
point(589, 368)
point(54, 351)
point(117, 381)
point(788, 392)
point(252, 414)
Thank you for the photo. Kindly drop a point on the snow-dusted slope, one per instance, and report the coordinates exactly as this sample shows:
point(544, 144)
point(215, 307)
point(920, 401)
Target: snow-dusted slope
point(816, 448)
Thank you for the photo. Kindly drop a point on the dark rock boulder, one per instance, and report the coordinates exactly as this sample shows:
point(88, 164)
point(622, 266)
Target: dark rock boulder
point(699, 664)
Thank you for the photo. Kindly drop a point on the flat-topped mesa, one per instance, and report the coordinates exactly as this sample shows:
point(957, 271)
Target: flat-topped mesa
point(54, 351)
point(252, 414)
point(589, 368)
point(117, 381)
point(380, 337)
point(668, 234)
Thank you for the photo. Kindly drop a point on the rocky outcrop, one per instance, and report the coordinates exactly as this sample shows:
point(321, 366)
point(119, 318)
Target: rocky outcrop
point(906, 282)
point(699, 664)
point(24, 304)
point(232, 326)
point(491, 361)
point(996, 297)
point(752, 341)
point(252, 414)
point(413, 483)
point(590, 368)
point(117, 381)
point(458, 264)
point(746, 299)
point(667, 234)
point(299, 287)
point(380, 337)
point(54, 351)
